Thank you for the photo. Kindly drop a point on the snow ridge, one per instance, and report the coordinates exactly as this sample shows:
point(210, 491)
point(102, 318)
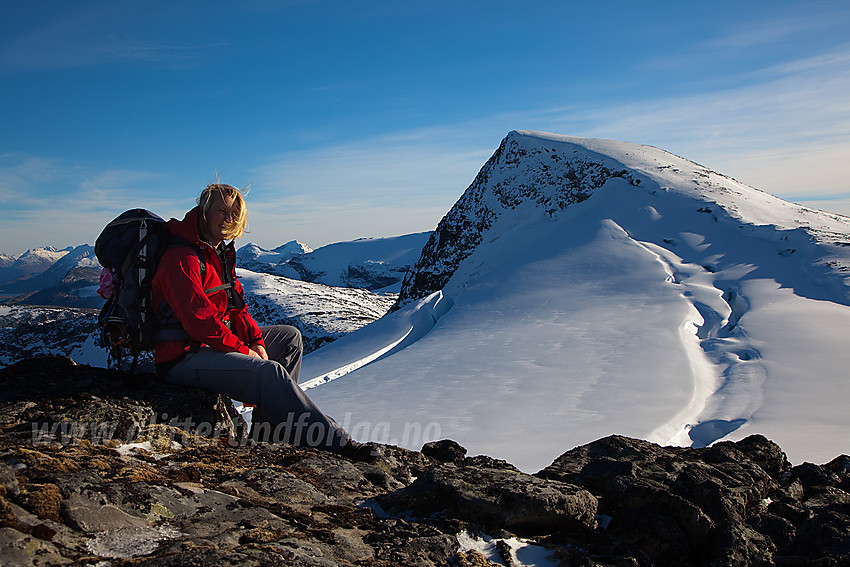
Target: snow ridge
point(406, 328)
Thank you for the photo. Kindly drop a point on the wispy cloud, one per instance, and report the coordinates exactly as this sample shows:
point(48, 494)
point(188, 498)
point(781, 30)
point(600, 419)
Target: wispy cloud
point(770, 30)
point(788, 134)
point(394, 184)
point(57, 202)
point(93, 34)
point(773, 33)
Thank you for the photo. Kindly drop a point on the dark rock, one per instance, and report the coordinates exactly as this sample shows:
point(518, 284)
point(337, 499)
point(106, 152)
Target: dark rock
point(92, 511)
point(840, 466)
point(765, 453)
point(8, 480)
point(52, 399)
point(777, 529)
point(827, 534)
point(738, 544)
point(496, 499)
point(736, 503)
point(592, 464)
point(815, 477)
point(653, 521)
point(791, 510)
point(445, 451)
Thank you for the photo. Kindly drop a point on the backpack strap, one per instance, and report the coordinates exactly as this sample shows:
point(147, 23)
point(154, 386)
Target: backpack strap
point(234, 300)
point(218, 288)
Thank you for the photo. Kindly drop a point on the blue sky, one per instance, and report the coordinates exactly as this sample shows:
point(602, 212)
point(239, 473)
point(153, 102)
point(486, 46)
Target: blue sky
point(366, 119)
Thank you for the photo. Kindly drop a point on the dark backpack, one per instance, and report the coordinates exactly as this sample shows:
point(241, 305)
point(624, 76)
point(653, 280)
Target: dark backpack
point(130, 247)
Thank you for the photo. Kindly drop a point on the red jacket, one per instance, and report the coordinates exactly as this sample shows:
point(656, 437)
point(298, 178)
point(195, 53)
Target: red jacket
point(178, 283)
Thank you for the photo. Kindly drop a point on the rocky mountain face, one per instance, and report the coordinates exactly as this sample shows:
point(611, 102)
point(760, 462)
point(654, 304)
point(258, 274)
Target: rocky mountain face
point(322, 313)
point(363, 275)
point(96, 469)
point(515, 174)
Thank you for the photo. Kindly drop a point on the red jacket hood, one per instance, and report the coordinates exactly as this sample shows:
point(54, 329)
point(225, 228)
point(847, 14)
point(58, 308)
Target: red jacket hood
point(188, 227)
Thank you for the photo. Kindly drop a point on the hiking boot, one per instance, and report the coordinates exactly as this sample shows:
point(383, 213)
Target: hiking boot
point(362, 452)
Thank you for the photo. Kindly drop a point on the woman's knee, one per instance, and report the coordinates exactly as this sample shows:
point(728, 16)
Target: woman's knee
point(283, 333)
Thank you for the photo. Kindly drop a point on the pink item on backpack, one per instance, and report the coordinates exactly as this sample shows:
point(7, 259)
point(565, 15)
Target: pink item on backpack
point(106, 287)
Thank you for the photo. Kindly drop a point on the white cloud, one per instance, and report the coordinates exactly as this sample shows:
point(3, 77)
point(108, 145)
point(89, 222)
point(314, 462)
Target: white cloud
point(788, 134)
point(771, 30)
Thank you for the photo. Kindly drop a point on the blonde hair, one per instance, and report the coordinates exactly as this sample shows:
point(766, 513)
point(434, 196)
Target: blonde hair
point(237, 225)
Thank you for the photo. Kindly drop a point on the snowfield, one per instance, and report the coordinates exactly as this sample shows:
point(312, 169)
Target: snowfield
point(684, 309)
point(321, 312)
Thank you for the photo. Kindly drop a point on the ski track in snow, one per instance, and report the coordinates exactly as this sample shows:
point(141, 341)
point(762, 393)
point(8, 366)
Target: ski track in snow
point(719, 357)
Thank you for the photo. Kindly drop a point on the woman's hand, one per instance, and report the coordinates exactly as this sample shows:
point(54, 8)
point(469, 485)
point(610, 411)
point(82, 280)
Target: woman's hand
point(259, 351)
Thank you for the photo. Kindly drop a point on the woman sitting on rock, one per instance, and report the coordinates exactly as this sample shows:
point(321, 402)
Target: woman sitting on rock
point(209, 340)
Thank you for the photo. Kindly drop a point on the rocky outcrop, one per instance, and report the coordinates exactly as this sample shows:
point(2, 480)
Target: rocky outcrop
point(175, 482)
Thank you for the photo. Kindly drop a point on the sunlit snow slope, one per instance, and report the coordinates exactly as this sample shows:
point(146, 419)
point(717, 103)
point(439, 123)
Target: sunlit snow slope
point(653, 298)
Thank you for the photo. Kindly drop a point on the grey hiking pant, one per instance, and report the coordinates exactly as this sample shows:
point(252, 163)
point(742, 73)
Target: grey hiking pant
point(284, 413)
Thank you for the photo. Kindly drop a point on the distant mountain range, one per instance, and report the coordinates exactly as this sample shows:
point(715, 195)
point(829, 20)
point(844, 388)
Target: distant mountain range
point(29, 263)
point(70, 277)
point(377, 264)
point(45, 276)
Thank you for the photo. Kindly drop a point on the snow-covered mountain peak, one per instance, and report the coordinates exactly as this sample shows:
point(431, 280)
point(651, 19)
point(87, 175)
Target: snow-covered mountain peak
point(36, 260)
point(658, 169)
point(527, 172)
point(293, 247)
point(368, 263)
point(253, 257)
point(7, 260)
point(536, 176)
point(249, 251)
